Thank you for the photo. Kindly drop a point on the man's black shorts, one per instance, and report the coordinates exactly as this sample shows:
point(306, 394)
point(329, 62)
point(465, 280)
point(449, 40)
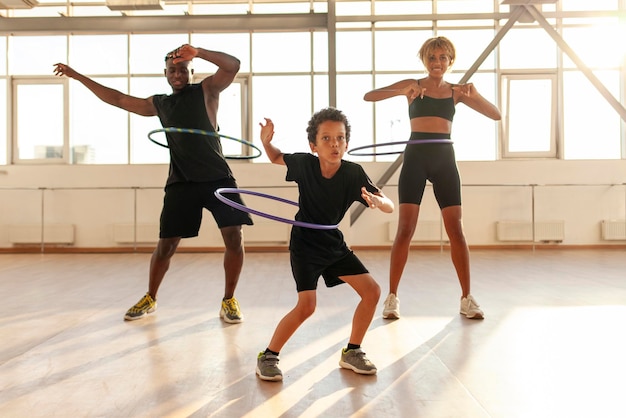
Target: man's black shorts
point(183, 204)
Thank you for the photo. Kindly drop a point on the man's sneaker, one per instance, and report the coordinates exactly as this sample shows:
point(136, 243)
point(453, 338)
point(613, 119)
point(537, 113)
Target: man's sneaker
point(356, 361)
point(391, 308)
point(142, 308)
point(470, 308)
point(230, 311)
point(267, 367)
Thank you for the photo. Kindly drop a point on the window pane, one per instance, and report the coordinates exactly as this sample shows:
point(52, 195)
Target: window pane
point(229, 119)
point(386, 7)
point(354, 51)
point(50, 50)
point(592, 125)
point(98, 131)
point(3, 55)
point(235, 44)
point(320, 51)
point(350, 91)
point(143, 151)
point(43, 139)
point(356, 8)
point(289, 112)
point(320, 92)
point(3, 129)
point(260, 7)
point(589, 5)
point(220, 9)
point(92, 10)
point(269, 51)
point(147, 52)
point(515, 53)
point(391, 58)
point(99, 54)
point(392, 120)
point(529, 100)
point(464, 6)
point(474, 134)
point(320, 6)
point(591, 46)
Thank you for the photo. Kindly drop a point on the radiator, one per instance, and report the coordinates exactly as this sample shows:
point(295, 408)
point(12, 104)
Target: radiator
point(146, 233)
point(523, 231)
point(31, 234)
point(613, 230)
point(426, 231)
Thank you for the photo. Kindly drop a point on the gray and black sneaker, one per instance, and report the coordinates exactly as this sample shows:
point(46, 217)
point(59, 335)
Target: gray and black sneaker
point(267, 367)
point(356, 361)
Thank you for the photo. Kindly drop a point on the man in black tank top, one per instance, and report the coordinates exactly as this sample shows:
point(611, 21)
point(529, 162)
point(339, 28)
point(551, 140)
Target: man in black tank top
point(197, 167)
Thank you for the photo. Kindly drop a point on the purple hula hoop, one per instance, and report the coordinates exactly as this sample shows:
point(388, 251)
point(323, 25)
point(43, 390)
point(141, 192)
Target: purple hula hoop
point(386, 144)
point(218, 194)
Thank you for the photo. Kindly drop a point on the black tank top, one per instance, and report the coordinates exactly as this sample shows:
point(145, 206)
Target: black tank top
point(193, 158)
point(431, 106)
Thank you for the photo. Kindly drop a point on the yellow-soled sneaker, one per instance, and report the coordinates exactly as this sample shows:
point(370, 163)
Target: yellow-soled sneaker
point(142, 308)
point(230, 311)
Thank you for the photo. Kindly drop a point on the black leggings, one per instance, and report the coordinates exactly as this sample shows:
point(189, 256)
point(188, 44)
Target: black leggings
point(430, 161)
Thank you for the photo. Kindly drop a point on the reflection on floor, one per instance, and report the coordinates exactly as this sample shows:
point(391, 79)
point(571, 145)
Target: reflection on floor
point(552, 344)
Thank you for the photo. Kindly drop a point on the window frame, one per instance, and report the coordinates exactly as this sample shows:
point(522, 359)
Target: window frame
point(14, 134)
point(506, 77)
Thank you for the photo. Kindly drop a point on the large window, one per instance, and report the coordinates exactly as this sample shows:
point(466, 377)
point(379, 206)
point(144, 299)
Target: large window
point(550, 107)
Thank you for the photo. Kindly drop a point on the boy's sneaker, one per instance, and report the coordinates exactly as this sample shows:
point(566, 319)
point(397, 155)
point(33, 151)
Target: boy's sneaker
point(470, 308)
point(267, 367)
point(230, 311)
point(391, 308)
point(142, 308)
point(356, 361)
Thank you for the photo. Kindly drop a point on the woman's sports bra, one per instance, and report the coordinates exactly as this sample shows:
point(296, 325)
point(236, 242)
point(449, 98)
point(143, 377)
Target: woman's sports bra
point(430, 106)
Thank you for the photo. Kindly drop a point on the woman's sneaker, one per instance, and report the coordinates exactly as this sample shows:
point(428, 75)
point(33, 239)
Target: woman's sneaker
point(391, 308)
point(356, 361)
point(470, 308)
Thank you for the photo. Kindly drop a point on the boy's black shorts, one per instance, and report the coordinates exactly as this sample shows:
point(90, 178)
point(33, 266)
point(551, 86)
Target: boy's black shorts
point(307, 273)
point(183, 204)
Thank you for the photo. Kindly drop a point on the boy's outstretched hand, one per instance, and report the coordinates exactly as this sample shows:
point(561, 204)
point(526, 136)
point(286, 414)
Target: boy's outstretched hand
point(375, 201)
point(267, 131)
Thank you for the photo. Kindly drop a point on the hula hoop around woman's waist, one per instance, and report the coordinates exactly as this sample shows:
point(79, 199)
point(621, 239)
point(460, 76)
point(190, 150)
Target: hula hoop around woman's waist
point(387, 144)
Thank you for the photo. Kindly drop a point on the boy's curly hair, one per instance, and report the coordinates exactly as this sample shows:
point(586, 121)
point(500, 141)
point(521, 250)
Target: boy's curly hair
point(329, 113)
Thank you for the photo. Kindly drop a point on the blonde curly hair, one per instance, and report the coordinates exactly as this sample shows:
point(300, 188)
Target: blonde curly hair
point(437, 42)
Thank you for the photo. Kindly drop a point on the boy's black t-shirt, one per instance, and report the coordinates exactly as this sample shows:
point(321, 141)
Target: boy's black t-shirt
point(323, 201)
point(193, 157)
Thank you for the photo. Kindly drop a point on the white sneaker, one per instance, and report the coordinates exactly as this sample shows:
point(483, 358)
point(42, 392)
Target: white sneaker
point(391, 309)
point(470, 308)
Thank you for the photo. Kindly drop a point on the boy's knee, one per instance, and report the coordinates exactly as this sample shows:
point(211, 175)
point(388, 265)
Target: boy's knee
point(305, 311)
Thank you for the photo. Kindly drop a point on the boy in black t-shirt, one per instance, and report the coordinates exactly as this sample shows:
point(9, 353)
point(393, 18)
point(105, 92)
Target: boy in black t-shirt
point(328, 186)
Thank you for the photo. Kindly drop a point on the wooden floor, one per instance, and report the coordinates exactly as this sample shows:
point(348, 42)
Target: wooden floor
point(553, 343)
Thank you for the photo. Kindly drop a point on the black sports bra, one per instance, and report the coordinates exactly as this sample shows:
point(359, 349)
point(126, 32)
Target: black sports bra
point(431, 106)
